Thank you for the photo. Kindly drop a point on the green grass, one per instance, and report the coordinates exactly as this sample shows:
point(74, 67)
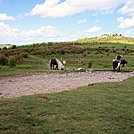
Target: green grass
point(39, 64)
point(102, 108)
point(99, 51)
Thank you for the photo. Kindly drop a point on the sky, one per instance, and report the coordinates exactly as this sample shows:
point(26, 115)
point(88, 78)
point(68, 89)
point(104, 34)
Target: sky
point(34, 21)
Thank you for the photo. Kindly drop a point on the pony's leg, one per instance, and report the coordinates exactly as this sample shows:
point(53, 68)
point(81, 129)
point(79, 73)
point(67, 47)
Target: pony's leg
point(118, 65)
point(57, 67)
point(118, 69)
point(114, 68)
point(51, 66)
point(114, 65)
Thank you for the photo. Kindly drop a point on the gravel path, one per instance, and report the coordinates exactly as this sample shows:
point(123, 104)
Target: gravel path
point(12, 87)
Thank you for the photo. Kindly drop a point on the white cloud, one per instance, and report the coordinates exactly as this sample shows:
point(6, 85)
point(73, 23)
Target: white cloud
point(48, 33)
point(52, 8)
point(95, 4)
point(87, 32)
point(126, 22)
point(82, 21)
point(14, 35)
point(128, 8)
point(4, 17)
point(93, 29)
point(56, 8)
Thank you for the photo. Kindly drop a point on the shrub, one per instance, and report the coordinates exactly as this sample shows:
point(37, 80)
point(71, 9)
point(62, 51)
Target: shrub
point(25, 55)
point(90, 64)
point(13, 47)
point(12, 61)
point(3, 60)
point(4, 48)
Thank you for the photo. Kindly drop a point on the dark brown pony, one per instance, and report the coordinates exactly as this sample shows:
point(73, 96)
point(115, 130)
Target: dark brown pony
point(115, 64)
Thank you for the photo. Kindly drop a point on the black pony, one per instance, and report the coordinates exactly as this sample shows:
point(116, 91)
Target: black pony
point(115, 64)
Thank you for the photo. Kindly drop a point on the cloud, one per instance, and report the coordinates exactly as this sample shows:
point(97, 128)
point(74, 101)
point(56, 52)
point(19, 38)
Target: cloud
point(128, 8)
point(4, 17)
point(14, 35)
point(58, 8)
point(87, 32)
point(48, 33)
point(128, 11)
point(52, 8)
point(126, 22)
point(82, 21)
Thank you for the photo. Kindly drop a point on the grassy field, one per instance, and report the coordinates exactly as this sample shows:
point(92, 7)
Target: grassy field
point(39, 64)
point(100, 52)
point(101, 108)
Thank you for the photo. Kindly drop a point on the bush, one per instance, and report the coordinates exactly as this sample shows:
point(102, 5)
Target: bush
point(90, 64)
point(13, 47)
point(12, 61)
point(25, 55)
point(3, 60)
point(4, 48)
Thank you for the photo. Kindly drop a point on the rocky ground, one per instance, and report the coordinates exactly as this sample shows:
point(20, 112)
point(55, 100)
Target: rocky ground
point(12, 87)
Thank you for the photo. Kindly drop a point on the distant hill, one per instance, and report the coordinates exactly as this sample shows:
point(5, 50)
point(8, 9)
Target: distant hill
point(114, 38)
point(5, 45)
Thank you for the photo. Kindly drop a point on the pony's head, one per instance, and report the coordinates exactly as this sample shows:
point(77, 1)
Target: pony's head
point(60, 65)
point(64, 62)
point(124, 62)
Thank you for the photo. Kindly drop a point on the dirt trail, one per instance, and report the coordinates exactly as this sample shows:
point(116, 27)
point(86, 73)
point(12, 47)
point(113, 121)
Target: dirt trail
point(12, 87)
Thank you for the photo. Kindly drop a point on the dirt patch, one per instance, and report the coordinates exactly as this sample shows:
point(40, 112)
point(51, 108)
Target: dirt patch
point(12, 87)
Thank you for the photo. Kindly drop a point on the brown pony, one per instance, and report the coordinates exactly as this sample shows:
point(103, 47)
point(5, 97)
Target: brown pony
point(115, 64)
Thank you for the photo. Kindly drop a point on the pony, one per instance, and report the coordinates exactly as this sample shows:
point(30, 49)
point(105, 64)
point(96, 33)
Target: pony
point(115, 64)
point(78, 61)
point(59, 65)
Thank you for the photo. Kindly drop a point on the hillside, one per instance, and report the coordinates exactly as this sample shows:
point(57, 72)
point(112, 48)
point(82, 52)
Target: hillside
point(115, 38)
point(5, 45)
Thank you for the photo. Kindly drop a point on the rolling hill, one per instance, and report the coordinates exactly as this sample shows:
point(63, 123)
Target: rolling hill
point(114, 38)
point(5, 45)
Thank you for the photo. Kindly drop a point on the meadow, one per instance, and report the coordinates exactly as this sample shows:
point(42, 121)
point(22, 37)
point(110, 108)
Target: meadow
point(34, 58)
point(101, 108)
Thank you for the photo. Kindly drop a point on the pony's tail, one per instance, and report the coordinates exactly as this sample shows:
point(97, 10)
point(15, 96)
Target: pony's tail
point(50, 64)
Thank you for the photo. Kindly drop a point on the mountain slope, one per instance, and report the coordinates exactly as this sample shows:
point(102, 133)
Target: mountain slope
point(115, 38)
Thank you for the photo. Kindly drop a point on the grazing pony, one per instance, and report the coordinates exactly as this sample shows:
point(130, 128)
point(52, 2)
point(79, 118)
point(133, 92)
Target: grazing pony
point(115, 64)
point(78, 61)
point(59, 65)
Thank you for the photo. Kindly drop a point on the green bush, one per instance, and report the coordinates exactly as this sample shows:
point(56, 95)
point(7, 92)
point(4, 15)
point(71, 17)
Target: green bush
point(25, 55)
point(13, 47)
point(3, 60)
point(12, 61)
point(90, 64)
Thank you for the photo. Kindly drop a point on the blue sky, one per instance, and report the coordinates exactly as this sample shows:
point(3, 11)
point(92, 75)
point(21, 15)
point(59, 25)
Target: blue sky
point(32, 21)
